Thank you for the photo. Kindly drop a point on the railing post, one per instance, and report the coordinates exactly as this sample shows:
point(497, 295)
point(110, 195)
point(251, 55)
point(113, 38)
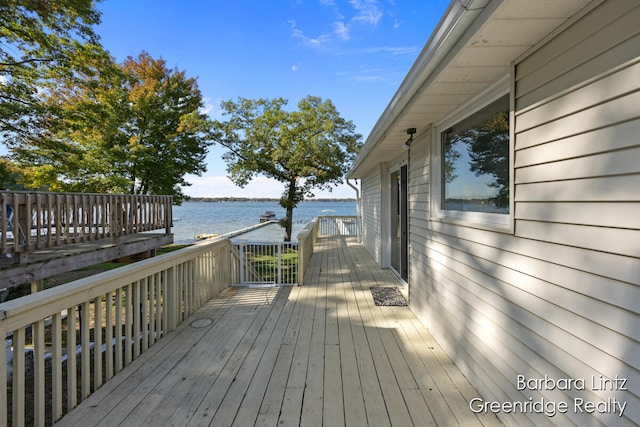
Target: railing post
point(301, 255)
point(168, 218)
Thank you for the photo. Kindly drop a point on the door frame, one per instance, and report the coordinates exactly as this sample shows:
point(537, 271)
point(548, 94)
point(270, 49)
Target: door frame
point(398, 209)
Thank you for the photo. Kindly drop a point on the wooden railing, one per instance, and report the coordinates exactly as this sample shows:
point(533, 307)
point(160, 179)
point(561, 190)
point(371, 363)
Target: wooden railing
point(37, 220)
point(306, 242)
point(322, 226)
point(67, 340)
point(338, 226)
point(64, 342)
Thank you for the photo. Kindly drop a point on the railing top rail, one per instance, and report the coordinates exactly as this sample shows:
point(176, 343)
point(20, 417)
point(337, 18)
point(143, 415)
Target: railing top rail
point(30, 308)
point(55, 193)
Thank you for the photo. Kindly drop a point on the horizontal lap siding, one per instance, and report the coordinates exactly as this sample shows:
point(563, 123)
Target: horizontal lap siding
point(561, 296)
point(577, 159)
point(371, 213)
point(418, 193)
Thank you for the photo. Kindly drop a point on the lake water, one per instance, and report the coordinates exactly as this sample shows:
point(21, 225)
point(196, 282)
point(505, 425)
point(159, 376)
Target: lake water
point(193, 218)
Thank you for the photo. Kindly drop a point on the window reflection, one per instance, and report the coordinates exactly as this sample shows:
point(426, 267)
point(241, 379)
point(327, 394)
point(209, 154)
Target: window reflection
point(476, 161)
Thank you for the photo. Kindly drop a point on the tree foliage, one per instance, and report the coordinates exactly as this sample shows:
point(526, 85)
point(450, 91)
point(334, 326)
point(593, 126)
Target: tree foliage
point(310, 148)
point(487, 145)
point(39, 43)
point(489, 153)
point(131, 128)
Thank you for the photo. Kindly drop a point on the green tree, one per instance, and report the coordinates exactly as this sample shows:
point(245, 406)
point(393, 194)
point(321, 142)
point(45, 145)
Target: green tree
point(39, 42)
point(489, 152)
point(311, 148)
point(132, 128)
point(9, 175)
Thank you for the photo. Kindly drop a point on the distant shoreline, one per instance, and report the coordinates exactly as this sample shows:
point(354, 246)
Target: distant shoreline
point(265, 199)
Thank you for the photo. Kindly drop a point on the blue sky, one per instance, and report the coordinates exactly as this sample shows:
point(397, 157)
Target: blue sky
point(354, 52)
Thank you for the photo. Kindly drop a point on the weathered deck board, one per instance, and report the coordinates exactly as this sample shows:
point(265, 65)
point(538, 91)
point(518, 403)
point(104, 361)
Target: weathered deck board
point(319, 354)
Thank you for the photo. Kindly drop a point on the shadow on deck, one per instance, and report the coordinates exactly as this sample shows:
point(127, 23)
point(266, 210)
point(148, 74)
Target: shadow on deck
point(318, 354)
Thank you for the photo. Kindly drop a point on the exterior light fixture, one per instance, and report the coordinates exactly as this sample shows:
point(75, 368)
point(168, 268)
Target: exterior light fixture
point(410, 132)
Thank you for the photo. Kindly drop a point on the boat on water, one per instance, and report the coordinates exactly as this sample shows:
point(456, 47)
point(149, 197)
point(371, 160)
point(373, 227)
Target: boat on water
point(206, 236)
point(268, 216)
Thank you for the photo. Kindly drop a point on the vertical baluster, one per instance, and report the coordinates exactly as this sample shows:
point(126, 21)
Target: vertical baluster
point(85, 355)
point(153, 307)
point(128, 202)
point(39, 376)
point(127, 325)
point(77, 218)
point(56, 367)
point(161, 319)
point(15, 226)
point(38, 217)
point(137, 321)
point(18, 386)
point(118, 331)
point(97, 343)
point(170, 303)
point(279, 265)
point(72, 384)
point(67, 211)
point(50, 224)
point(144, 315)
point(179, 294)
point(85, 216)
point(108, 335)
point(188, 289)
point(27, 218)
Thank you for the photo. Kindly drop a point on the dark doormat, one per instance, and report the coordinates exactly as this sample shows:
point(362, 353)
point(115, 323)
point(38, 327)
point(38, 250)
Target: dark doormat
point(389, 296)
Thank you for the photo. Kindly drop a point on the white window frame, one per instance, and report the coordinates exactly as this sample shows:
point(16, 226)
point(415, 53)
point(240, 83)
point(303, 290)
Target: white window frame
point(492, 221)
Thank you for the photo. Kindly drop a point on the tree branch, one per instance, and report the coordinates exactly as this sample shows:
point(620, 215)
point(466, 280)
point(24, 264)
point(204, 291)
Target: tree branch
point(26, 61)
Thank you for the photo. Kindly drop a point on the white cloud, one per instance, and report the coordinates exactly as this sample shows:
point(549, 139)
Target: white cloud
point(341, 30)
point(294, 68)
point(311, 41)
point(208, 106)
point(368, 11)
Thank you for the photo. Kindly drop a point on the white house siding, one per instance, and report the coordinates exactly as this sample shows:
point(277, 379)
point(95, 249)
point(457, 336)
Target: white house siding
point(561, 296)
point(418, 194)
point(371, 186)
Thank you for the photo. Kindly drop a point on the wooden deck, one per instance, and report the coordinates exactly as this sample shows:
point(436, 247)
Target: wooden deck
point(47, 262)
point(319, 354)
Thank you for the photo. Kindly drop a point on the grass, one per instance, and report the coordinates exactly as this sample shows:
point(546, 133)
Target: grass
point(265, 266)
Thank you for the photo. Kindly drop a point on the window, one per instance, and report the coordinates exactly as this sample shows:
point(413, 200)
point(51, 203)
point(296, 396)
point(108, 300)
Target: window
point(476, 161)
point(472, 167)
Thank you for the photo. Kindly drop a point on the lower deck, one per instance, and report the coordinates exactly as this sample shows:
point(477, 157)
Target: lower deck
point(319, 354)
